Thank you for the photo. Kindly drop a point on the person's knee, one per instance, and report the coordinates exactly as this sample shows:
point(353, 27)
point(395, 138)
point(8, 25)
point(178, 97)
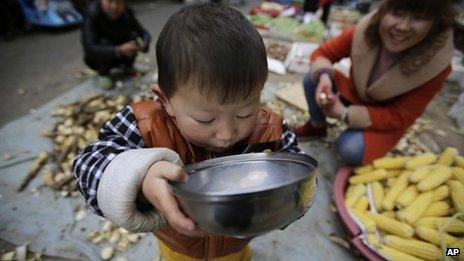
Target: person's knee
point(308, 81)
point(350, 147)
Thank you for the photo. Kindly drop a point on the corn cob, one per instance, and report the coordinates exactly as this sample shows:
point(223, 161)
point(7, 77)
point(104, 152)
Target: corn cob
point(459, 161)
point(362, 204)
point(416, 208)
point(373, 240)
point(457, 195)
point(393, 173)
point(368, 223)
point(400, 185)
point(420, 173)
point(414, 247)
point(391, 225)
point(440, 193)
point(432, 236)
point(438, 176)
point(389, 214)
point(390, 163)
point(357, 192)
point(458, 174)
point(421, 160)
point(447, 157)
point(377, 194)
point(375, 175)
point(395, 255)
point(407, 197)
point(363, 169)
point(437, 209)
point(391, 182)
point(448, 224)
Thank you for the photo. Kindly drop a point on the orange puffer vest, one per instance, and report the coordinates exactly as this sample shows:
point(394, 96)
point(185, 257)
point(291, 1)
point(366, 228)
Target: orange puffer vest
point(158, 129)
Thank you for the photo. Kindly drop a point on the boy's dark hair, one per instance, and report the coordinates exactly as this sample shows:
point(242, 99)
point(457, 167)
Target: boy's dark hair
point(213, 48)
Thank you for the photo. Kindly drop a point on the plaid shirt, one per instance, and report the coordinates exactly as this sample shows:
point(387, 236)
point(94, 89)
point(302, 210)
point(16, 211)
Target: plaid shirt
point(121, 134)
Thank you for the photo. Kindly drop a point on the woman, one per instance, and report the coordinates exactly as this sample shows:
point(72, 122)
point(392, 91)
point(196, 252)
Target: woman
point(401, 55)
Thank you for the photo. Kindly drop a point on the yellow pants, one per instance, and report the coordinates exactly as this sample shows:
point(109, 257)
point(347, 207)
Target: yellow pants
point(169, 255)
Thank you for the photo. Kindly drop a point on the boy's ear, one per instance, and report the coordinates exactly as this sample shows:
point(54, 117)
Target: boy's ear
point(160, 96)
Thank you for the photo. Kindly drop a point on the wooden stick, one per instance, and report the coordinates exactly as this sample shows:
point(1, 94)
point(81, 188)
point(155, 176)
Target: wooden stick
point(41, 159)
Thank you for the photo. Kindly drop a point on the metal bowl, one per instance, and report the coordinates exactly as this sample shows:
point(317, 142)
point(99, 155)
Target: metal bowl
point(249, 194)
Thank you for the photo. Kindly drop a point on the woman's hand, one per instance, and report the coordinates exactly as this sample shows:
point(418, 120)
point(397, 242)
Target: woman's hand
point(128, 49)
point(324, 93)
point(155, 188)
point(335, 109)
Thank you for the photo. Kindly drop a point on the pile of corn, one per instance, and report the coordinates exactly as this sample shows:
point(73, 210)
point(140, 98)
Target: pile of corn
point(76, 126)
point(410, 208)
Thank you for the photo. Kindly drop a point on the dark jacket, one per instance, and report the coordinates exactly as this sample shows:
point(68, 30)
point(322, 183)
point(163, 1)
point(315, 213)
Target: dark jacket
point(101, 35)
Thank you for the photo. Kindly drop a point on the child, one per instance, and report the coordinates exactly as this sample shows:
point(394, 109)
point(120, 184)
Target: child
point(112, 37)
point(212, 67)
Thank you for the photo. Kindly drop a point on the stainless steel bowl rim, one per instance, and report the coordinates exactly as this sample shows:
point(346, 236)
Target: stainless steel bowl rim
point(268, 191)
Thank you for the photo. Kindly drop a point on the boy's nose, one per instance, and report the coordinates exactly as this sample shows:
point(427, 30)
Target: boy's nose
point(226, 134)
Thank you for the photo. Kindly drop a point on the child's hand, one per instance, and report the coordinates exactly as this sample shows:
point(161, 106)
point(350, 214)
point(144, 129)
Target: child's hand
point(155, 188)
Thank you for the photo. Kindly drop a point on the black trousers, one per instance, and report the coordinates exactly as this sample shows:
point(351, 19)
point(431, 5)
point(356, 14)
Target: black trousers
point(103, 66)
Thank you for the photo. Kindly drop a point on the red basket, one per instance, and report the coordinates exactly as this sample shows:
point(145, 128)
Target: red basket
point(339, 187)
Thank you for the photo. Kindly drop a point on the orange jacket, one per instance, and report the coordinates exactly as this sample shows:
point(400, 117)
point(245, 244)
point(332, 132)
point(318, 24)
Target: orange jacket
point(389, 119)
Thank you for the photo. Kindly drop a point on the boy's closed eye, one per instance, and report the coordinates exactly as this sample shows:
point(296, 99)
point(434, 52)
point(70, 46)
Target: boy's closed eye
point(210, 121)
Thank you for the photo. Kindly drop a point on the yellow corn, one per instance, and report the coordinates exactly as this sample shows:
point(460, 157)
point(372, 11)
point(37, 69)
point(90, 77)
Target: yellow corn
point(400, 185)
point(440, 193)
point(420, 173)
point(421, 160)
point(389, 214)
point(363, 169)
point(448, 224)
point(391, 225)
point(377, 194)
point(437, 209)
point(438, 176)
point(393, 173)
point(375, 175)
point(459, 161)
point(432, 236)
point(407, 197)
point(457, 195)
point(362, 204)
point(458, 174)
point(395, 255)
point(357, 192)
point(412, 212)
point(447, 157)
point(414, 247)
point(368, 223)
point(391, 182)
point(390, 162)
point(373, 240)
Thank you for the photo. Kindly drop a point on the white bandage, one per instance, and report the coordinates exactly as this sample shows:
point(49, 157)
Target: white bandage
point(120, 184)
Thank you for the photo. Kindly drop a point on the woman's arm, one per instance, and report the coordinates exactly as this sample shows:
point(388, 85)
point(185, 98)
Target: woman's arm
point(401, 112)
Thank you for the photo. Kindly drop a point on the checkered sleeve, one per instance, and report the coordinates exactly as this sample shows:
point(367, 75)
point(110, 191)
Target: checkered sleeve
point(289, 142)
point(117, 135)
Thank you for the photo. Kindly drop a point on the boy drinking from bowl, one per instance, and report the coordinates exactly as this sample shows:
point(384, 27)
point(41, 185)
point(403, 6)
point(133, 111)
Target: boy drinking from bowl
point(212, 68)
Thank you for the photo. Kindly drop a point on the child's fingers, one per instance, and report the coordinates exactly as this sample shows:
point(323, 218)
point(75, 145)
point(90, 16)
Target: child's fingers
point(167, 204)
point(171, 171)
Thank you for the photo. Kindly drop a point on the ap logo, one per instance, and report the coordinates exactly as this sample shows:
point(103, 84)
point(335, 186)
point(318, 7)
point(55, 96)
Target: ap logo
point(452, 251)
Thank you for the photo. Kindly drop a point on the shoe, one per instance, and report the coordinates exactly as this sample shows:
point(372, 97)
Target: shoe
point(310, 131)
point(104, 82)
